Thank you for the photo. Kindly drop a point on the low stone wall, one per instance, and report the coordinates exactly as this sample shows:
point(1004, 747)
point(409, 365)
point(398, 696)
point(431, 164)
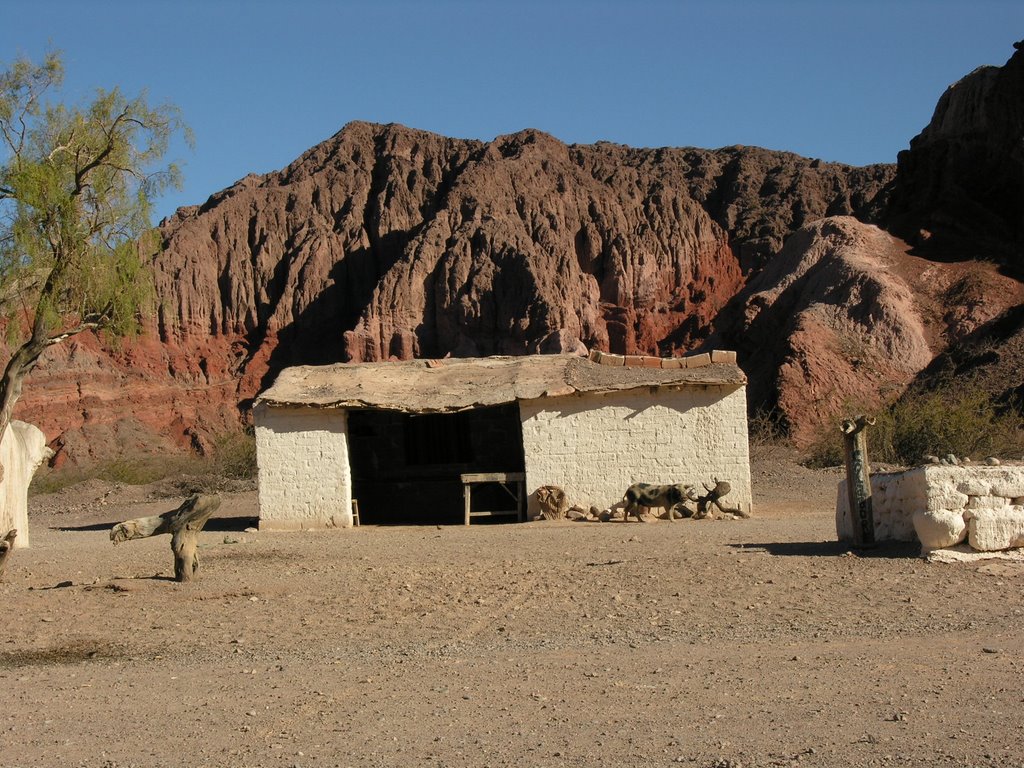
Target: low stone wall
point(942, 506)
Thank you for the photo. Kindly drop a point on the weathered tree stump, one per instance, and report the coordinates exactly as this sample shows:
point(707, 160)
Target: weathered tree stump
point(714, 497)
point(552, 501)
point(6, 547)
point(184, 525)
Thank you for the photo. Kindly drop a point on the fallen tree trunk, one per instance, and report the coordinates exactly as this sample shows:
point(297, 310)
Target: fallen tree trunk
point(184, 525)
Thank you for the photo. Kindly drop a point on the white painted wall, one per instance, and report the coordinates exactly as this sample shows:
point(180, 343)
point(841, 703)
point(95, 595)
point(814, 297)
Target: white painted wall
point(596, 445)
point(304, 476)
point(22, 450)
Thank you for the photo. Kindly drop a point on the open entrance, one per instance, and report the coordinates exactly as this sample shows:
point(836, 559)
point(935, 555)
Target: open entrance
point(406, 467)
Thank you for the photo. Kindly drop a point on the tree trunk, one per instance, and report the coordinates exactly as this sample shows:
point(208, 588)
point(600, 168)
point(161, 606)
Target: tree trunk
point(17, 369)
point(858, 479)
point(184, 525)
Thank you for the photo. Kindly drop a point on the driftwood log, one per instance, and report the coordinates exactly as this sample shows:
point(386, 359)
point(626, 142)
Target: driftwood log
point(714, 497)
point(184, 525)
point(6, 547)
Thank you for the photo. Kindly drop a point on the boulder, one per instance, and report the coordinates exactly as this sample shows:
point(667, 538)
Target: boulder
point(939, 529)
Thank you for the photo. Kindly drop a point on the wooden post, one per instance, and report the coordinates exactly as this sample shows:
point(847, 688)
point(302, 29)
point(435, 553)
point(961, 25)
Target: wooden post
point(184, 525)
point(858, 479)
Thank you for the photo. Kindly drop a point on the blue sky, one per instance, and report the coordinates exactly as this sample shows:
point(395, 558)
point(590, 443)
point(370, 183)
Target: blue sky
point(260, 82)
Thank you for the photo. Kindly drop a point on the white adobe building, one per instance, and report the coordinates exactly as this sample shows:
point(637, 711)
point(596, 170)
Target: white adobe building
point(400, 436)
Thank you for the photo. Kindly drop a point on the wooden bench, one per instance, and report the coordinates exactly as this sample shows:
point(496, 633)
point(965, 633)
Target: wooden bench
point(517, 481)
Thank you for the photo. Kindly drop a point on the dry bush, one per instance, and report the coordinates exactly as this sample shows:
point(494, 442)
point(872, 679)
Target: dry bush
point(231, 465)
point(766, 428)
point(960, 420)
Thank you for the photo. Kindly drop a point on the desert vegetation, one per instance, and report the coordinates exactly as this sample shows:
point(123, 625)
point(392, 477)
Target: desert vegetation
point(954, 418)
point(231, 464)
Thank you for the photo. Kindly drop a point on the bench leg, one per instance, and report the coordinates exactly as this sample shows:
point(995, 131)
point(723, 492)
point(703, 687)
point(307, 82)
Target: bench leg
point(466, 498)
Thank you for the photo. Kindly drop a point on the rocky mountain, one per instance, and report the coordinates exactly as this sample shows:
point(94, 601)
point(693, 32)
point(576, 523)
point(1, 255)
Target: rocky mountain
point(960, 187)
point(846, 317)
point(387, 242)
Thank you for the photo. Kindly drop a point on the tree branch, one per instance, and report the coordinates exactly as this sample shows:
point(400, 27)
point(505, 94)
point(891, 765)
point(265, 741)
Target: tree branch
point(65, 335)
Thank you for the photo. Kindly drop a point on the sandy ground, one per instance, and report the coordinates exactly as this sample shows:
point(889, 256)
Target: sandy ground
point(758, 642)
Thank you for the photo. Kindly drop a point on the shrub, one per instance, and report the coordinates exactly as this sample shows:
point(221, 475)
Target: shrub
point(961, 420)
point(232, 461)
point(766, 427)
point(966, 422)
point(234, 455)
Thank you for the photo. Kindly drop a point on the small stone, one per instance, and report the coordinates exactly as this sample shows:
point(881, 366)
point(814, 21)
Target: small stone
point(992, 461)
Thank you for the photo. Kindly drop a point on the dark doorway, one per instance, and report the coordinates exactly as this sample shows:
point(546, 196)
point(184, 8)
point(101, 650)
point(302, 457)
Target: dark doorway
point(406, 466)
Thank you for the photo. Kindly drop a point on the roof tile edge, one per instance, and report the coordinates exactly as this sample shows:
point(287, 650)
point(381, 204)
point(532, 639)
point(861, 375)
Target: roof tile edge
point(698, 360)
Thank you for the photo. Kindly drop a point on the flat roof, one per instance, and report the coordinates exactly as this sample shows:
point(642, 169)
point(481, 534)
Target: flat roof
point(456, 384)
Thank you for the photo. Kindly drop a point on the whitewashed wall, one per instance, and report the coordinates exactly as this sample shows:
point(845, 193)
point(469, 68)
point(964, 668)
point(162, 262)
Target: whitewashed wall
point(22, 450)
point(304, 476)
point(596, 446)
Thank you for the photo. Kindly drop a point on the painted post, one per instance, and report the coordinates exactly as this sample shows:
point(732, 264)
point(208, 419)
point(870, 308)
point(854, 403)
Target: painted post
point(858, 479)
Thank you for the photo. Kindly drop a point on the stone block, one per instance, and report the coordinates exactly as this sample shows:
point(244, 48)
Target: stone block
point(974, 486)
point(945, 496)
point(990, 530)
point(939, 529)
point(650, 362)
point(610, 359)
point(672, 362)
point(697, 361)
point(634, 361)
point(986, 502)
point(723, 356)
point(1010, 487)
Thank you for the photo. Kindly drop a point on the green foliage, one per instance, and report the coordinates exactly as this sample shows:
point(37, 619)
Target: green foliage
point(75, 189)
point(958, 419)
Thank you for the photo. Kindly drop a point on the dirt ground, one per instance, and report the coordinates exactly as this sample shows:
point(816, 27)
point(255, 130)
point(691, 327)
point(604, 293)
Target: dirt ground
point(758, 642)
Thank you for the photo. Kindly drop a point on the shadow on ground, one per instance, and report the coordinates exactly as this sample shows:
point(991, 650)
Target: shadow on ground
point(236, 524)
point(896, 550)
